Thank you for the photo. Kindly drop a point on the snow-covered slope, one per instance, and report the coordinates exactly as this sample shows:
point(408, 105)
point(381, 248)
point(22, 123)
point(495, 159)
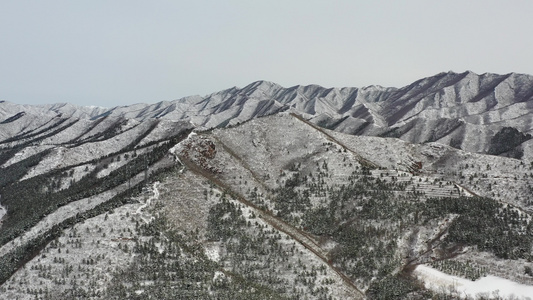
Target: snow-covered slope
point(463, 110)
point(299, 192)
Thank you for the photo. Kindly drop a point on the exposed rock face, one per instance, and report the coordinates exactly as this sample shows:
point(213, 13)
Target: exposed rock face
point(200, 151)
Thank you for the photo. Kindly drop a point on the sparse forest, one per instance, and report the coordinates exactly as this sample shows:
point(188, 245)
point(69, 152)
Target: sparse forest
point(269, 214)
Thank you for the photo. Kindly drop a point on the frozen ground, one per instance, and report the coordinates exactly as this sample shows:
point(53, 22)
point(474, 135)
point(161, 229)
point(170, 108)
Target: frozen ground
point(2, 213)
point(490, 286)
point(84, 257)
point(257, 157)
point(155, 196)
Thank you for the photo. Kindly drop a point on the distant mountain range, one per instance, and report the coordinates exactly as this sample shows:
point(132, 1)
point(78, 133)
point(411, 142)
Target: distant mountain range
point(463, 110)
point(266, 192)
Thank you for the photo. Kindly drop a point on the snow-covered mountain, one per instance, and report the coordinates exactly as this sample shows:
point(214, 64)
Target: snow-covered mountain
point(463, 110)
point(266, 192)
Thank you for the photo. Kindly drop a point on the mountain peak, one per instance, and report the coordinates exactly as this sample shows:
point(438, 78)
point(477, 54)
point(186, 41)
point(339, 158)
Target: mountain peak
point(262, 85)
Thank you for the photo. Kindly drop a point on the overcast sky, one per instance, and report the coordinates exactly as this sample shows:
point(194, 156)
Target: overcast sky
point(111, 53)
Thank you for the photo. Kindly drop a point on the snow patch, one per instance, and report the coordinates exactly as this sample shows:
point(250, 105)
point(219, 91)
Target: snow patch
point(218, 276)
point(175, 150)
point(155, 196)
point(212, 251)
point(3, 212)
point(490, 286)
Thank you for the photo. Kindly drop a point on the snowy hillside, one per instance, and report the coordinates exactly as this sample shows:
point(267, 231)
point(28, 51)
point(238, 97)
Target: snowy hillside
point(465, 110)
point(266, 192)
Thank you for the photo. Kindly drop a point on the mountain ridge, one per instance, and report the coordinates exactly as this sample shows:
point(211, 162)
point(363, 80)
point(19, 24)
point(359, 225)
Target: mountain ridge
point(475, 107)
point(265, 192)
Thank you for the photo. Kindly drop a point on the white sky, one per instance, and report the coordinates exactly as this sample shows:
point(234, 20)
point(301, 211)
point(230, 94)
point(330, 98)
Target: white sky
point(122, 52)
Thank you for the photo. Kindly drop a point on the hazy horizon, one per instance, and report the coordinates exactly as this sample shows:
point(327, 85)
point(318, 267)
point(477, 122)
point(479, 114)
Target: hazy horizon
point(122, 52)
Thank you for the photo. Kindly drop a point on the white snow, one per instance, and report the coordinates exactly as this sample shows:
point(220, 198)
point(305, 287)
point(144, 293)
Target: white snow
point(112, 167)
point(65, 212)
point(464, 191)
point(155, 196)
point(487, 286)
point(3, 212)
point(212, 251)
point(218, 276)
point(178, 147)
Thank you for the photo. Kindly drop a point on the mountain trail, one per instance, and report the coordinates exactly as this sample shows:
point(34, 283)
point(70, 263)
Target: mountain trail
point(241, 161)
point(155, 196)
point(362, 160)
point(295, 233)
